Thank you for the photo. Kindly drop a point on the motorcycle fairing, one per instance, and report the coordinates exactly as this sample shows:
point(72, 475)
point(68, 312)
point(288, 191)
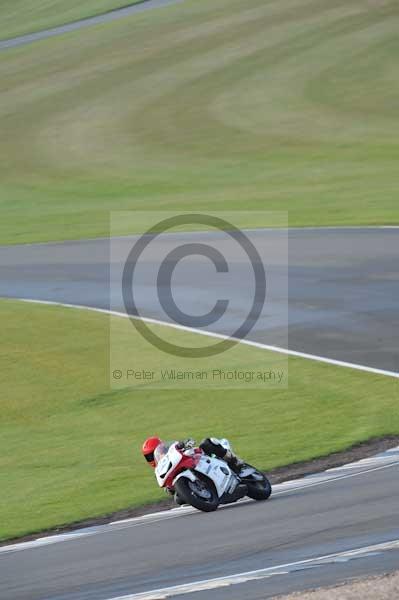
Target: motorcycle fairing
point(219, 472)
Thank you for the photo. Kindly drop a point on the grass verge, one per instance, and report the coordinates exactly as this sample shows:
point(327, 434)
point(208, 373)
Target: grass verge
point(18, 17)
point(288, 105)
point(70, 446)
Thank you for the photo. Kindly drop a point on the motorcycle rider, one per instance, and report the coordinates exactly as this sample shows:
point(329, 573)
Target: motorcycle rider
point(210, 446)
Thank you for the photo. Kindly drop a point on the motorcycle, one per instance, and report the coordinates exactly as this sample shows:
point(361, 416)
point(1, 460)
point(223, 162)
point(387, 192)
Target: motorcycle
point(205, 481)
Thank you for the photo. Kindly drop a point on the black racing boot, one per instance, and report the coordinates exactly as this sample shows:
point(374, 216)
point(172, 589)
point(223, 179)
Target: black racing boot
point(233, 461)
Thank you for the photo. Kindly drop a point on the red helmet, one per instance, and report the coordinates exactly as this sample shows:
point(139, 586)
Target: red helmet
point(148, 449)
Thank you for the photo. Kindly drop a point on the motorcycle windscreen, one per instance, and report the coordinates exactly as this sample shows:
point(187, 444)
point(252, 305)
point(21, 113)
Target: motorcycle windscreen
point(160, 451)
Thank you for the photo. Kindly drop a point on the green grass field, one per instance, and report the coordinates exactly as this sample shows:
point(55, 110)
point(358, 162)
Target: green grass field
point(26, 16)
point(287, 105)
point(219, 104)
point(70, 446)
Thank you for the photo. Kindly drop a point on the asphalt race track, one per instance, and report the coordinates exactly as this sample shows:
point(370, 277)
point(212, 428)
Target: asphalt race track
point(342, 303)
point(343, 286)
point(355, 509)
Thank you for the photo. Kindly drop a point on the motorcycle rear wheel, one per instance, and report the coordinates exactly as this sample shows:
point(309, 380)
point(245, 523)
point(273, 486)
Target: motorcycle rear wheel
point(186, 490)
point(259, 490)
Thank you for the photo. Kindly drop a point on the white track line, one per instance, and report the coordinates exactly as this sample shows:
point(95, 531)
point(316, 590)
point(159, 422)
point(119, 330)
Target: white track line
point(287, 487)
point(345, 228)
point(259, 574)
point(323, 480)
point(286, 351)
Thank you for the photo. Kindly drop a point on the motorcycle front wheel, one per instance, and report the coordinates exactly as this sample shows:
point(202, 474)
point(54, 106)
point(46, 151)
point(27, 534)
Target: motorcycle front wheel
point(200, 494)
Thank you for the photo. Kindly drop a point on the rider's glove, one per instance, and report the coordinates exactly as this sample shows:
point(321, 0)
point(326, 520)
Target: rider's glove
point(185, 444)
